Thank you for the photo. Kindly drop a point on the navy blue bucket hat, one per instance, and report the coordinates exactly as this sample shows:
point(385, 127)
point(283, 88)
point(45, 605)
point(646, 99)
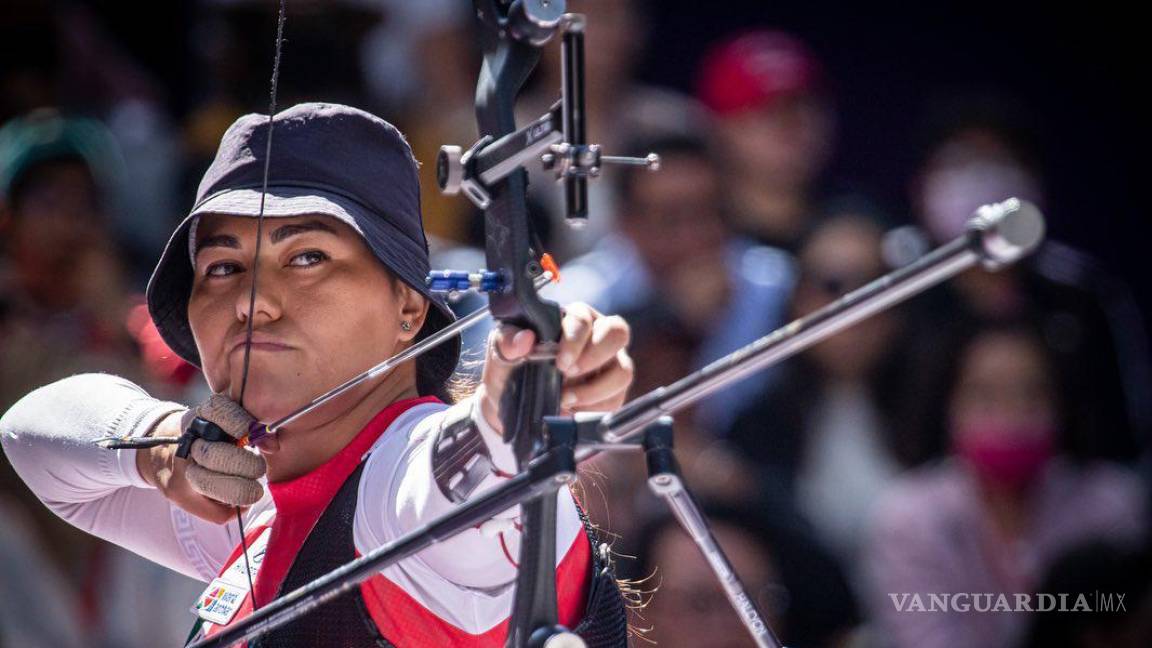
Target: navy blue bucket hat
point(326, 159)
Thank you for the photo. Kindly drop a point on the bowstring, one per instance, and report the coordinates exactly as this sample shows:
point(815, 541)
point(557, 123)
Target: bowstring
point(256, 261)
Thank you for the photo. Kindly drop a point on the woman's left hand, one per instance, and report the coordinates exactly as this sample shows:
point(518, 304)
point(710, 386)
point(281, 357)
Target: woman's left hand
point(592, 356)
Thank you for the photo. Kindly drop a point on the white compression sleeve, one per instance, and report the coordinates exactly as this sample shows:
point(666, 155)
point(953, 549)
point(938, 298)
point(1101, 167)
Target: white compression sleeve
point(48, 437)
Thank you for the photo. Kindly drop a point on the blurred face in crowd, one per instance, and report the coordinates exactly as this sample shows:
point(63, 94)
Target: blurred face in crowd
point(841, 256)
point(1003, 410)
point(689, 607)
point(972, 168)
point(51, 231)
point(325, 309)
point(783, 144)
point(674, 216)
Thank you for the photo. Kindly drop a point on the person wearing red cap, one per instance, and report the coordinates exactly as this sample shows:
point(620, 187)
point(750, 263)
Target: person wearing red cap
point(774, 122)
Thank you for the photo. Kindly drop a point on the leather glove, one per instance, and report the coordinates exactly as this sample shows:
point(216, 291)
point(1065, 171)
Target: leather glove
point(223, 470)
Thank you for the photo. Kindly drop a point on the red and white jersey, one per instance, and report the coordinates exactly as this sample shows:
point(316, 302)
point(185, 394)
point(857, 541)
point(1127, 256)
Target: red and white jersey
point(462, 587)
point(455, 594)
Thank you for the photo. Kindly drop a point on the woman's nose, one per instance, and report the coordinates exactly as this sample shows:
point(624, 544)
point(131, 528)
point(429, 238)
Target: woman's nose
point(259, 295)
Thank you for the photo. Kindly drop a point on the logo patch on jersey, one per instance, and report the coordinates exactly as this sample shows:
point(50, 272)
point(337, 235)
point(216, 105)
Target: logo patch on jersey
point(220, 602)
point(228, 591)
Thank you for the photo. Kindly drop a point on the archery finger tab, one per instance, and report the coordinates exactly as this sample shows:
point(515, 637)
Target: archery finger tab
point(226, 489)
point(198, 428)
point(226, 413)
point(228, 459)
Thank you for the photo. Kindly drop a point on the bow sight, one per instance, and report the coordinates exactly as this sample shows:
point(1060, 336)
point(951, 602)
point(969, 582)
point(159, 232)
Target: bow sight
point(556, 140)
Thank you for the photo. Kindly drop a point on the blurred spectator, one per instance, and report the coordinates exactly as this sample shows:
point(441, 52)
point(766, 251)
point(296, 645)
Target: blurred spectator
point(775, 124)
point(1096, 570)
point(30, 57)
point(421, 63)
point(618, 109)
point(99, 75)
point(62, 289)
point(825, 428)
point(123, 600)
point(1088, 317)
point(327, 54)
point(691, 292)
point(63, 310)
point(803, 596)
point(677, 274)
point(36, 606)
point(1005, 504)
point(419, 54)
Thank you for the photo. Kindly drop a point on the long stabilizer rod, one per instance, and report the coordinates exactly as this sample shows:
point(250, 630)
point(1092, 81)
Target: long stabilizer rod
point(997, 235)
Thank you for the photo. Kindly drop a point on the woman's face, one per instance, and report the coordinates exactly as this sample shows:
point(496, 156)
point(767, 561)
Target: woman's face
point(1004, 388)
point(689, 607)
point(841, 257)
point(325, 310)
point(54, 234)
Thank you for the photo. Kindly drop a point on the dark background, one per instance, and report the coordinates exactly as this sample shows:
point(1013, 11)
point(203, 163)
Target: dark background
point(1074, 73)
point(1073, 70)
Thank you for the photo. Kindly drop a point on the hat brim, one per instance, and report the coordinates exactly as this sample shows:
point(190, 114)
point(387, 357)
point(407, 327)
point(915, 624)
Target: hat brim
point(171, 284)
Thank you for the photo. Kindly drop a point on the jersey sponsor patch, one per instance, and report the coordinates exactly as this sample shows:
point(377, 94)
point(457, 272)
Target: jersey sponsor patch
point(228, 591)
point(220, 602)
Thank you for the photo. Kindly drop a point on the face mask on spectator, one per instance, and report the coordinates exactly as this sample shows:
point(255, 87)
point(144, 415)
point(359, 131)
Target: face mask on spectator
point(1007, 458)
point(951, 193)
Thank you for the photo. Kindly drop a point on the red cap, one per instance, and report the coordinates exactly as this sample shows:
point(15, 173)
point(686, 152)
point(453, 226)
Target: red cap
point(756, 69)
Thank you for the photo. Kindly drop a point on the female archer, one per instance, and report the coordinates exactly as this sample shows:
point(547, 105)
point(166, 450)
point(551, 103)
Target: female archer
point(279, 289)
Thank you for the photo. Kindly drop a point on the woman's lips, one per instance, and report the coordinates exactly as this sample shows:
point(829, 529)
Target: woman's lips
point(264, 346)
point(259, 343)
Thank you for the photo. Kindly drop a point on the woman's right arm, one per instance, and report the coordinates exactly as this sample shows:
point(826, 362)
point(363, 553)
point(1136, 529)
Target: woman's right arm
point(49, 437)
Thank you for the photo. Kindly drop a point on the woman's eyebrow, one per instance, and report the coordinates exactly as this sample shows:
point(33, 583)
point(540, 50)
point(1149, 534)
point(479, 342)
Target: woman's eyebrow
point(218, 240)
point(283, 232)
point(277, 235)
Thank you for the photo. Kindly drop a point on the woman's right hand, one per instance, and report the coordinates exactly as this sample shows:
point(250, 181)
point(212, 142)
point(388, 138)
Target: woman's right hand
point(217, 476)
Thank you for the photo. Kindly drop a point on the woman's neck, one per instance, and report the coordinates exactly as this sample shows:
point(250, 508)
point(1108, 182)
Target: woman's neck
point(310, 444)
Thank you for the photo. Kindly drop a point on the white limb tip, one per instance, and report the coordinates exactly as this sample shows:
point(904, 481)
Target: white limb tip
point(1007, 231)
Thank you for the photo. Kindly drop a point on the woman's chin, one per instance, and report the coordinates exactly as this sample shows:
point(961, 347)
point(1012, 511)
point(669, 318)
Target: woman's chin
point(267, 407)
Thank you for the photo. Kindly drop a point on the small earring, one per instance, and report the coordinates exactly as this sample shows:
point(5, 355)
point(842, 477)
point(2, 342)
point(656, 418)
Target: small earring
point(406, 325)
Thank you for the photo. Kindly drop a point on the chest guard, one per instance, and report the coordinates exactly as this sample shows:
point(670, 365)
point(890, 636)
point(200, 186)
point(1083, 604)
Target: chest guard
point(346, 622)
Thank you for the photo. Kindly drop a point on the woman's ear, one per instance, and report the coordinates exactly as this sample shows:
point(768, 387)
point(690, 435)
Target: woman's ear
point(413, 311)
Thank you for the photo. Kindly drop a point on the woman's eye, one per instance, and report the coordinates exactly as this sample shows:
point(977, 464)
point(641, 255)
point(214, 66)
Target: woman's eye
point(309, 258)
point(222, 269)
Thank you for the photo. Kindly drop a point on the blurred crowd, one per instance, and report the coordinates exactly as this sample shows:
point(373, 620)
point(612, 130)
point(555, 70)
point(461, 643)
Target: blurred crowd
point(990, 436)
